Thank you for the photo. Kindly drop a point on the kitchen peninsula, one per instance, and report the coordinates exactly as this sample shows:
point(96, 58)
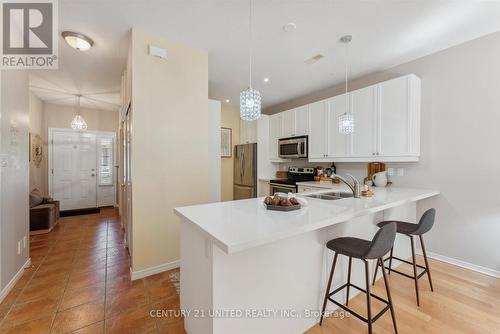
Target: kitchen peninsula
point(245, 269)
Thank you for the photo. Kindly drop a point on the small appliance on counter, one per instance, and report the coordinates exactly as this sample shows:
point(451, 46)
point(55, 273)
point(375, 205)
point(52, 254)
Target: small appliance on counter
point(289, 185)
point(380, 179)
point(373, 167)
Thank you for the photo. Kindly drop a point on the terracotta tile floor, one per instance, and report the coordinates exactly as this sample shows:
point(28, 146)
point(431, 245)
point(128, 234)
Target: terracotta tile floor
point(80, 283)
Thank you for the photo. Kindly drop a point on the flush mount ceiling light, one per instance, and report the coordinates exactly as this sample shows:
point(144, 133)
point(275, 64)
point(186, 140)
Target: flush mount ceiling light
point(77, 41)
point(78, 123)
point(346, 120)
point(266, 80)
point(250, 99)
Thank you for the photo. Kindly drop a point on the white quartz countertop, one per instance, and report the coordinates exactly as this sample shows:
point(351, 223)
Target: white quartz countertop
point(326, 185)
point(238, 225)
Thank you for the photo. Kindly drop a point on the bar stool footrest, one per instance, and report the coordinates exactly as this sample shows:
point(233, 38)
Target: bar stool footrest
point(407, 262)
point(345, 308)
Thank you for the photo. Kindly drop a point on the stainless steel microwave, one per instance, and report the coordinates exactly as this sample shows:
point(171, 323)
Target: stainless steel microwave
point(294, 147)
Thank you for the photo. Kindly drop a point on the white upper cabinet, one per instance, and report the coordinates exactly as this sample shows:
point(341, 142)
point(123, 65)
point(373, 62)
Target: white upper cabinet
point(363, 105)
point(386, 124)
point(337, 142)
point(296, 122)
point(302, 121)
point(275, 133)
point(248, 132)
point(318, 117)
point(398, 117)
point(288, 120)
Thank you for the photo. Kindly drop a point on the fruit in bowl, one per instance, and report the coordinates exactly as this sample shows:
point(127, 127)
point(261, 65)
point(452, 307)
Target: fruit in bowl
point(279, 201)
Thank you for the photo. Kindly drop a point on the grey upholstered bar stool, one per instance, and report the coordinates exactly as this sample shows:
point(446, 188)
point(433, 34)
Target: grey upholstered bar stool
point(424, 225)
point(365, 250)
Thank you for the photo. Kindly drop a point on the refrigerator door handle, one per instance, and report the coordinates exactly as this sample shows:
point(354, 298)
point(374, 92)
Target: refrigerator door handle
point(243, 164)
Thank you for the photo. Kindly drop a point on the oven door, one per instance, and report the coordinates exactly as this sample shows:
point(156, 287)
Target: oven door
point(281, 188)
point(293, 147)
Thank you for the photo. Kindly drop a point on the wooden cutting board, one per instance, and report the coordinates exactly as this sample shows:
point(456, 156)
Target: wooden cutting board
point(375, 167)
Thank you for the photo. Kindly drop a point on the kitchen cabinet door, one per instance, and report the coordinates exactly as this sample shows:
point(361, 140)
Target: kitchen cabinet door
point(302, 121)
point(363, 105)
point(248, 132)
point(396, 118)
point(337, 142)
point(275, 132)
point(318, 117)
point(288, 123)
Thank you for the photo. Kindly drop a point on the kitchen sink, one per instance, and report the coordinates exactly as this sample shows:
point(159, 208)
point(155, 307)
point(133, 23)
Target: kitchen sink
point(331, 196)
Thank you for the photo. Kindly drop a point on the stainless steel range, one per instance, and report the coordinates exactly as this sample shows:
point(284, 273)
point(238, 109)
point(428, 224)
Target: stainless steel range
point(289, 185)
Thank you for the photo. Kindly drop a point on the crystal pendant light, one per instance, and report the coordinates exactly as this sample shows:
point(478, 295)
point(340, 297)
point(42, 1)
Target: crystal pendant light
point(250, 100)
point(346, 120)
point(78, 123)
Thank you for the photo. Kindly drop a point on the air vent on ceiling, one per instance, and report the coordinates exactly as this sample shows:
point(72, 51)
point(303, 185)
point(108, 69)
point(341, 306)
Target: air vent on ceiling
point(314, 59)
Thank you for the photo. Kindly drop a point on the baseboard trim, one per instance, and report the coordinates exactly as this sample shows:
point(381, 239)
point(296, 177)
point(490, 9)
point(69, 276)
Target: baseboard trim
point(14, 280)
point(154, 270)
point(462, 264)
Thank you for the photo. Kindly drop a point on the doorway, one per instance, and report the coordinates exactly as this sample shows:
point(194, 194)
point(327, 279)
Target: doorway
point(81, 168)
point(126, 175)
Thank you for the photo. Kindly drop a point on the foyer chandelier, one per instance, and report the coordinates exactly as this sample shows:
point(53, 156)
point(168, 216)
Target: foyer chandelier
point(78, 123)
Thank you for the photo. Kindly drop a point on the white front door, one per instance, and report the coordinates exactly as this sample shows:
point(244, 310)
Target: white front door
point(74, 169)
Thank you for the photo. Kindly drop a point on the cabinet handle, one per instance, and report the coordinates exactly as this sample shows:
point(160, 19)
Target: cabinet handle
point(373, 153)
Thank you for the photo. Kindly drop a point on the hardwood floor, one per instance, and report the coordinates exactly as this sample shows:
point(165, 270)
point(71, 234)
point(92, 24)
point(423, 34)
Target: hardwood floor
point(80, 283)
point(463, 301)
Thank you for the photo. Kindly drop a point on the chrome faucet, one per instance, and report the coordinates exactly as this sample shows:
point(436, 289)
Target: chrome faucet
point(356, 193)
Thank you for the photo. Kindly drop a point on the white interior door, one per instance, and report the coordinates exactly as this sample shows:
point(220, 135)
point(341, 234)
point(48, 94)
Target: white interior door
point(74, 169)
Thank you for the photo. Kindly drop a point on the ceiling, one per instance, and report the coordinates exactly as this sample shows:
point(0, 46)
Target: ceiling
point(385, 34)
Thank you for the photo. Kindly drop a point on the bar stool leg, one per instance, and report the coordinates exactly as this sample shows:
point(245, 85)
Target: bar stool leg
point(390, 260)
point(415, 277)
point(376, 271)
point(328, 288)
point(348, 281)
point(368, 304)
point(426, 262)
point(389, 298)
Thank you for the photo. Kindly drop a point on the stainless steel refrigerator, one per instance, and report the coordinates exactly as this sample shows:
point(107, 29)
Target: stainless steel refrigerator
point(245, 171)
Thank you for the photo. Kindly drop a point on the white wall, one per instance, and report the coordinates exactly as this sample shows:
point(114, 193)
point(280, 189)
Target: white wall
point(459, 145)
point(214, 150)
point(169, 145)
point(14, 180)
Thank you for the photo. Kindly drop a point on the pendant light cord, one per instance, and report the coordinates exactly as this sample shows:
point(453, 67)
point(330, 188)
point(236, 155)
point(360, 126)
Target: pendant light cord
point(250, 43)
point(346, 59)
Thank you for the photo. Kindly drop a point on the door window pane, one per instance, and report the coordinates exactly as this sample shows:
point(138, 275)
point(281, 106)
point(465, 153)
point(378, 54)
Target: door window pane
point(106, 162)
